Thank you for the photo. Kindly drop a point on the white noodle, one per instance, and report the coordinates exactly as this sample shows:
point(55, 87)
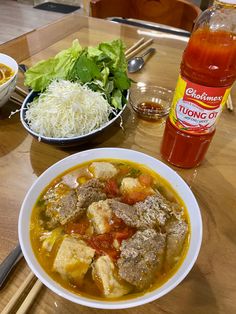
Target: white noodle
point(67, 109)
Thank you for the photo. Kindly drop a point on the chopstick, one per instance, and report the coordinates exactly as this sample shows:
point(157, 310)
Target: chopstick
point(20, 91)
point(135, 51)
point(229, 103)
point(29, 298)
point(16, 101)
point(18, 293)
point(135, 45)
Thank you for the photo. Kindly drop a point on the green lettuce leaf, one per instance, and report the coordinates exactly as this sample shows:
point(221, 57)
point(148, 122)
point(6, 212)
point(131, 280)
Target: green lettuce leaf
point(85, 70)
point(116, 99)
point(39, 76)
point(121, 80)
point(102, 68)
point(115, 51)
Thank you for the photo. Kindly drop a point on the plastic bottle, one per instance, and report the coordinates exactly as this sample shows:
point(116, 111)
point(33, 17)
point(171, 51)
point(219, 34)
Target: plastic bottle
point(207, 72)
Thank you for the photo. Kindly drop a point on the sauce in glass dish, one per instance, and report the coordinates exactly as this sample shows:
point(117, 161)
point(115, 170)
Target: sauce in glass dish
point(149, 105)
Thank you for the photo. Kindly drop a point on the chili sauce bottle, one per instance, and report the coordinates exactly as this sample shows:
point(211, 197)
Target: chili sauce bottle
point(207, 72)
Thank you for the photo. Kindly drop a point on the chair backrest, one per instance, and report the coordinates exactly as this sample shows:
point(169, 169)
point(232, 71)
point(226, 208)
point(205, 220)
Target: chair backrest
point(177, 13)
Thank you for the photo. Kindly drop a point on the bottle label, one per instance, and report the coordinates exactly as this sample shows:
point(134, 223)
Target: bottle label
point(196, 108)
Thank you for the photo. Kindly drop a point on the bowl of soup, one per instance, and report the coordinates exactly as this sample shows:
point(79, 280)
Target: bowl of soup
point(8, 76)
point(110, 228)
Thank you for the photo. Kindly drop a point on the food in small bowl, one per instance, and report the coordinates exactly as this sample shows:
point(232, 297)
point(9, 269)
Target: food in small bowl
point(76, 94)
point(110, 228)
point(8, 76)
point(67, 116)
point(149, 101)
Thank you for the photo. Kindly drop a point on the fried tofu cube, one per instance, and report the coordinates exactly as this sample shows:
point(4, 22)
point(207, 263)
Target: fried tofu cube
point(104, 275)
point(130, 184)
point(73, 259)
point(100, 215)
point(103, 170)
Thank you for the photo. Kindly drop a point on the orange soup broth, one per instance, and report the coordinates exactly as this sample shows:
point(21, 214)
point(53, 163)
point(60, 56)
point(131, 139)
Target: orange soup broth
point(6, 73)
point(89, 288)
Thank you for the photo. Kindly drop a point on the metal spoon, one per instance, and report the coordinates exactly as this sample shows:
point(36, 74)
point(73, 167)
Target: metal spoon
point(8, 263)
point(137, 63)
point(22, 67)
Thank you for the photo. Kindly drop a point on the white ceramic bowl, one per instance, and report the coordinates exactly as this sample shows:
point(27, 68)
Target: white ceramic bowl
point(8, 87)
point(118, 153)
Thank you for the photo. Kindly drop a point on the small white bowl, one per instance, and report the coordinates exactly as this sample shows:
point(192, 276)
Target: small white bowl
point(8, 87)
point(116, 153)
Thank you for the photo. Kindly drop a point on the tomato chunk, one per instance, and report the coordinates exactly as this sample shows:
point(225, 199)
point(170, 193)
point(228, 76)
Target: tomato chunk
point(145, 179)
point(117, 223)
point(124, 234)
point(124, 170)
point(77, 227)
point(103, 243)
point(111, 188)
point(134, 197)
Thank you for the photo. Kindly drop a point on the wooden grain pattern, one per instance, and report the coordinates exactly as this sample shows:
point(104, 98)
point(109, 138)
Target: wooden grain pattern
point(177, 13)
point(18, 18)
point(210, 286)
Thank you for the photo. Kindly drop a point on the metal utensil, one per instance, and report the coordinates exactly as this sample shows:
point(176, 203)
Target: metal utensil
point(8, 263)
point(22, 67)
point(137, 63)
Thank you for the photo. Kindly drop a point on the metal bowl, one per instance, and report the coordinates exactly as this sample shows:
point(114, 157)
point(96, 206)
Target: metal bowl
point(64, 141)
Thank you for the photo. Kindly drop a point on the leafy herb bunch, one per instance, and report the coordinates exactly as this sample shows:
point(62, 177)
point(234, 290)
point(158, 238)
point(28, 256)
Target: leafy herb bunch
point(102, 69)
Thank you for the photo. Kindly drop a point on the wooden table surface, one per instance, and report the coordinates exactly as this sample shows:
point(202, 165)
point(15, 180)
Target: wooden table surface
point(210, 287)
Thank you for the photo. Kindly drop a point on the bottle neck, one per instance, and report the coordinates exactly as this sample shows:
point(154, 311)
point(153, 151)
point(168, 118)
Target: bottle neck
point(221, 4)
point(220, 16)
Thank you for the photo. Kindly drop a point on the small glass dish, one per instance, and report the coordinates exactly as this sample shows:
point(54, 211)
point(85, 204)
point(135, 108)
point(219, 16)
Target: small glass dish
point(150, 102)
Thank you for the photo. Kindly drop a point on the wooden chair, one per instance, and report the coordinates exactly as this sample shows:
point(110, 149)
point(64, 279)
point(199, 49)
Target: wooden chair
point(177, 13)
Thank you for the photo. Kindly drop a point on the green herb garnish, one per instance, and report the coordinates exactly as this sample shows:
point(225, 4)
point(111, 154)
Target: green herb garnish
point(102, 69)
